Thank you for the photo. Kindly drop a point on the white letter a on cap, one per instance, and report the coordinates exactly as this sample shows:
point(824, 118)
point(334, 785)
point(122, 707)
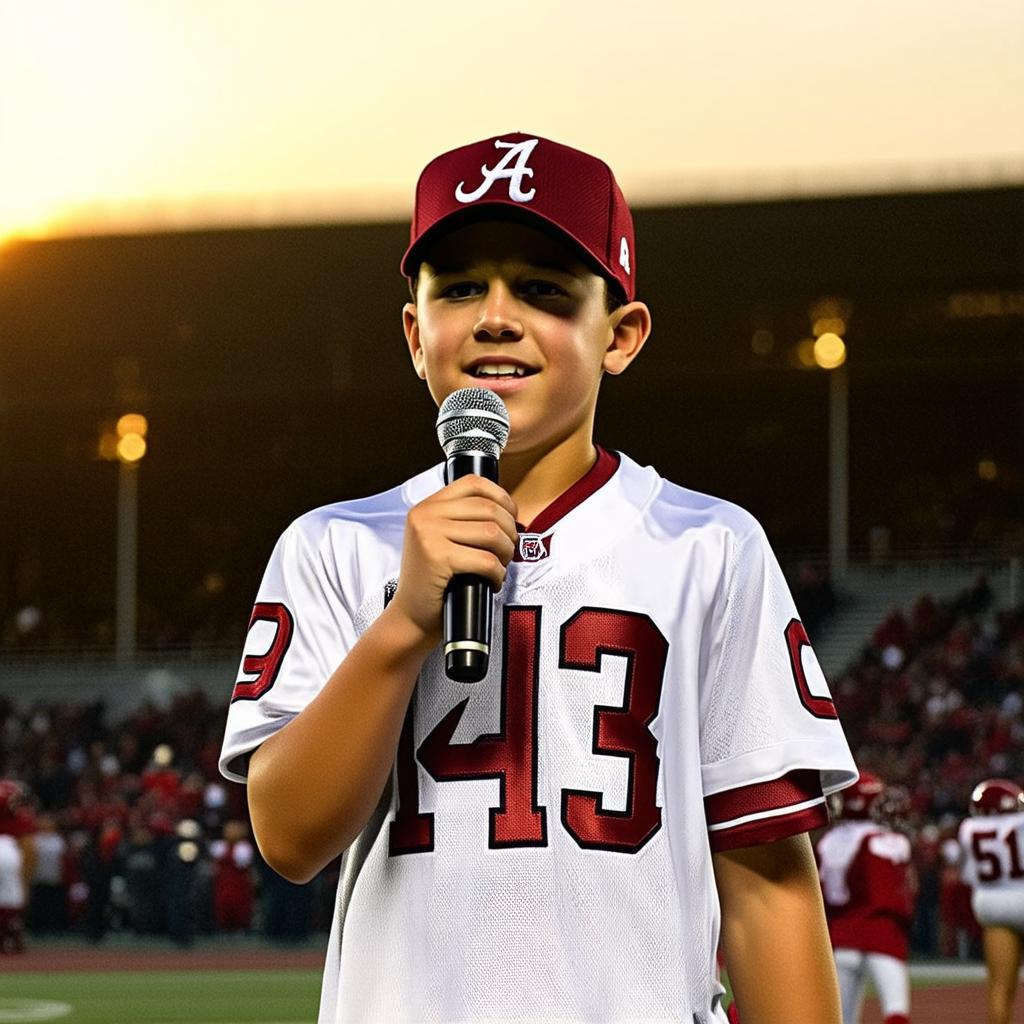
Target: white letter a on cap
point(518, 152)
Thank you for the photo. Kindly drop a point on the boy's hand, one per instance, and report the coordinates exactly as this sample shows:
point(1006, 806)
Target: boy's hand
point(467, 527)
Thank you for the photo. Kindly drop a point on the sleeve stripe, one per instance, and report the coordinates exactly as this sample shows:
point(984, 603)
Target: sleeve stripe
point(775, 812)
point(769, 830)
point(796, 787)
point(766, 811)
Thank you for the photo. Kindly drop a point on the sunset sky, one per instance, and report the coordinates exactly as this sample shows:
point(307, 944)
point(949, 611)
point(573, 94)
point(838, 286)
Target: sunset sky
point(154, 114)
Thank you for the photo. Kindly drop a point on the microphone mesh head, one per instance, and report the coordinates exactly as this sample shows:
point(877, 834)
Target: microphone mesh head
point(472, 419)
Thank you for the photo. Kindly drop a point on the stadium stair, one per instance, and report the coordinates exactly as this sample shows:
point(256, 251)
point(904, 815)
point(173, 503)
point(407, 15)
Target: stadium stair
point(870, 592)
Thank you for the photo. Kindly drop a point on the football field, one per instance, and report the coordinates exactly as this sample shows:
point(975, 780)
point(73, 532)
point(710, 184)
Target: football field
point(265, 995)
point(161, 997)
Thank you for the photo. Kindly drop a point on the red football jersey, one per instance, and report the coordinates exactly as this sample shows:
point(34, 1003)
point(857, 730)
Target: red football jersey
point(865, 879)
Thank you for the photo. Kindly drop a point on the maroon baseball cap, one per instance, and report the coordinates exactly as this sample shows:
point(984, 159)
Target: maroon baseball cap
point(529, 178)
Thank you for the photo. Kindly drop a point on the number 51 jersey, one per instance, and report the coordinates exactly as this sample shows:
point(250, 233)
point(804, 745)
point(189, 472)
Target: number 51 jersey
point(543, 850)
point(993, 866)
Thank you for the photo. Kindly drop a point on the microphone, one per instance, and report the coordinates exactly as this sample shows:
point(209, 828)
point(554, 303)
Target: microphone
point(472, 426)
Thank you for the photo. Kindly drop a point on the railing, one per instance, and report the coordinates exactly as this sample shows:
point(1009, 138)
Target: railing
point(89, 672)
point(1005, 571)
point(97, 654)
point(56, 675)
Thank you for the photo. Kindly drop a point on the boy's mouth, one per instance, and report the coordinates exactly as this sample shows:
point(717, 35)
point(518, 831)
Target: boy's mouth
point(499, 371)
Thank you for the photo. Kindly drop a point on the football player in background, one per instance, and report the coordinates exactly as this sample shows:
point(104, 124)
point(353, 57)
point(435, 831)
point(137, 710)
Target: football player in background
point(868, 884)
point(17, 863)
point(992, 845)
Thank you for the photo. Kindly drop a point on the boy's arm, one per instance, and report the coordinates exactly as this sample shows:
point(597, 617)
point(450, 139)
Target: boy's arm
point(313, 785)
point(774, 934)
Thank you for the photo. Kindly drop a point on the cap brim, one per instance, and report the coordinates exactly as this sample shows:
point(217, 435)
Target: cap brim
point(503, 211)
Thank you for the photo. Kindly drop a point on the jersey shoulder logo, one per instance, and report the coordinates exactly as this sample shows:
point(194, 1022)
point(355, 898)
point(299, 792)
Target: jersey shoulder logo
point(512, 167)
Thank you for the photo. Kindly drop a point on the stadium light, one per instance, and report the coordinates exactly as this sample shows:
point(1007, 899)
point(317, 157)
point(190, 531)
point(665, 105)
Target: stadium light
point(132, 423)
point(829, 318)
point(127, 444)
point(838, 460)
point(131, 437)
point(131, 448)
point(829, 351)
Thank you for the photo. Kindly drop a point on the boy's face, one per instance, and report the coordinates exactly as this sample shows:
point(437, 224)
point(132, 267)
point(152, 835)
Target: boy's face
point(507, 307)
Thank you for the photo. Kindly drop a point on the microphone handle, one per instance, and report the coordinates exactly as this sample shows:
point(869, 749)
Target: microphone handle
point(468, 601)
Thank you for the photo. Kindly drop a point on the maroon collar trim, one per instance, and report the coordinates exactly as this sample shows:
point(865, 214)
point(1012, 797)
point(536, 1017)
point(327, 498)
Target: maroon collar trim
point(593, 480)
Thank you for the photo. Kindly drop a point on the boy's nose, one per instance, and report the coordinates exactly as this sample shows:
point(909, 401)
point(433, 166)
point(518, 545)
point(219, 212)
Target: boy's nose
point(498, 319)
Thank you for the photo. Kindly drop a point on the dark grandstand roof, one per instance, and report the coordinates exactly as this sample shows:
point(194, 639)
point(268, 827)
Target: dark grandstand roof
point(272, 367)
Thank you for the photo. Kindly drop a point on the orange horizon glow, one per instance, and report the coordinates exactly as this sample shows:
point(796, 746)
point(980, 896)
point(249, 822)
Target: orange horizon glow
point(69, 115)
point(117, 116)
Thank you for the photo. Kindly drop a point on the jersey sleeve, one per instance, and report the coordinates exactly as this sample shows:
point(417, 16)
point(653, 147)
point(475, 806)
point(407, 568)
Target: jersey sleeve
point(301, 628)
point(772, 747)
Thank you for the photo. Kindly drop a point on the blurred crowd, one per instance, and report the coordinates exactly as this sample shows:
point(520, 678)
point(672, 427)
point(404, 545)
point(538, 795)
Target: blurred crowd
point(137, 831)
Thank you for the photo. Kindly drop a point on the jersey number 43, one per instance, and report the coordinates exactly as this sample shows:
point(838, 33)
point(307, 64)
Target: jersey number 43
point(510, 754)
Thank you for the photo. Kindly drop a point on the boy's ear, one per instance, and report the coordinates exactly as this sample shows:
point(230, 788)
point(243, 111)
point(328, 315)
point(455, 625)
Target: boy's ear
point(630, 326)
point(411, 325)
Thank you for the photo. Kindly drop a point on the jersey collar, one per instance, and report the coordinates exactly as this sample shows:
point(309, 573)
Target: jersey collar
point(535, 539)
point(587, 518)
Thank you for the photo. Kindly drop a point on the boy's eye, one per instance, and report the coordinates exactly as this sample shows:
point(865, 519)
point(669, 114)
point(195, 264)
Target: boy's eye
point(460, 290)
point(542, 289)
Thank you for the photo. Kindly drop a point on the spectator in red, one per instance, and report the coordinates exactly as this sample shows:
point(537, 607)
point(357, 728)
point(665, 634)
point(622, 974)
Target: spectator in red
point(190, 796)
point(160, 778)
point(90, 812)
point(893, 632)
point(233, 880)
point(925, 619)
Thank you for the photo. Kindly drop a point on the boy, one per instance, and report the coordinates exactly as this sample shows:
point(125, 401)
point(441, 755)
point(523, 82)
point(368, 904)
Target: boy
point(653, 736)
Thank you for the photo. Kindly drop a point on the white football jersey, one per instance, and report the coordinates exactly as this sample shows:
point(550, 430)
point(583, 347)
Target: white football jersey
point(543, 852)
point(992, 851)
